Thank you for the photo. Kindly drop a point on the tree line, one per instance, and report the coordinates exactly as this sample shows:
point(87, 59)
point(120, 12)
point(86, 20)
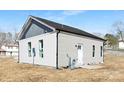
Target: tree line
point(117, 34)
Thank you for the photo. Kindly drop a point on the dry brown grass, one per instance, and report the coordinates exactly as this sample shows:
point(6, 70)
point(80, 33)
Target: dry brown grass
point(113, 70)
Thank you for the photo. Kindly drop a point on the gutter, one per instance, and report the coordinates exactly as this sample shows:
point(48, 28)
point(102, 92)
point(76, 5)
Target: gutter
point(57, 67)
point(93, 36)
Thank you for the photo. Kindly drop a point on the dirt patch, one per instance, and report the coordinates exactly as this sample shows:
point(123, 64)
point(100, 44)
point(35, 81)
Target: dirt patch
point(112, 70)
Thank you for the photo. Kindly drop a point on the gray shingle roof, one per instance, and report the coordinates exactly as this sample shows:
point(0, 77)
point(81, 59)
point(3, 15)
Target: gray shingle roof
point(66, 28)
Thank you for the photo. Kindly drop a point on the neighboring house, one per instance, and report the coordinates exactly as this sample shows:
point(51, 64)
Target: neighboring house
point(2, 52)
point(121, 44)
point(9, 50)
point(121, 41)
point(45, 42)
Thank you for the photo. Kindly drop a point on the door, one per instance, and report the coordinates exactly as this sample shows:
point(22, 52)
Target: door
point(80, 55)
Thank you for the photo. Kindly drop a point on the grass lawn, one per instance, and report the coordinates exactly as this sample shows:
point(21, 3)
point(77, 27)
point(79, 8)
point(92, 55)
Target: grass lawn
point(10, 71)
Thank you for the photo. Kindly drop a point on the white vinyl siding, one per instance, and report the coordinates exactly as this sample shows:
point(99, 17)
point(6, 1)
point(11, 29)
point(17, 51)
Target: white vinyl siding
point(49, 50)
point(67, 45)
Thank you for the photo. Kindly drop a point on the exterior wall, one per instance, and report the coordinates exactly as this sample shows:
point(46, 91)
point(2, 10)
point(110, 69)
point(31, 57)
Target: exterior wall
point(67, 48)
point(2, 53)
point(121, 45)
point(49, 49)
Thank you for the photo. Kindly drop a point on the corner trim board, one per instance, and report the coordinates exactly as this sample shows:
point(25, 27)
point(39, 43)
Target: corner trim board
point(57, 67)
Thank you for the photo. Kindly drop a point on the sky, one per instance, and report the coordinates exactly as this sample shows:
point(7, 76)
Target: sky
point(94, 21)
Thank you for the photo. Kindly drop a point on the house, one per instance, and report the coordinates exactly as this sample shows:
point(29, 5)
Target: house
point(45, 42)
point(121, 44)
point(9, 50)
point(2, 52)
point(121, 41)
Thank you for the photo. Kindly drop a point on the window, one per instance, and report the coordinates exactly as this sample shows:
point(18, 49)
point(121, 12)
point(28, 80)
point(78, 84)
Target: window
point(93, 50)
point(29, 49)
point(45, 31)
point(79, 46)
point(101, 49)
point(41, 48)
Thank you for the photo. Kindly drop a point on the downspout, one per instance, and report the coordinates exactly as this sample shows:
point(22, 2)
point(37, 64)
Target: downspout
point(18, 52)
point(57, 67)
point(103, 51)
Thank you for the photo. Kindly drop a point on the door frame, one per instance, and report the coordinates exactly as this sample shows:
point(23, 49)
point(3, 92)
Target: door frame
point(82, 48)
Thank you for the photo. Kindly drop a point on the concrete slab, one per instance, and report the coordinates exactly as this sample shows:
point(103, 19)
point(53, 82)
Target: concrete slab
point(92, 66)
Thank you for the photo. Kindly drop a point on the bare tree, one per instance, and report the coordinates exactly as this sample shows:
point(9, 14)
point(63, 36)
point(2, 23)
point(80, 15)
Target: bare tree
point(15, 37)
point(8, 38)
point(119, 29)
point(2, 38)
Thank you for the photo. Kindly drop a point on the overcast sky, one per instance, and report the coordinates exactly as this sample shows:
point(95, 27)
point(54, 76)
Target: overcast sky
point(90, 21)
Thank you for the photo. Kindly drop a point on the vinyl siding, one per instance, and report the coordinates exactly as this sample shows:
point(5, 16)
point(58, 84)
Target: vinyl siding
point(49, 43)
point(67, 46)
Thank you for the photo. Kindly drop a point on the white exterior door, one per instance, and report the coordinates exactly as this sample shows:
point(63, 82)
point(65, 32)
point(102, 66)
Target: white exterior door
point(80, 54)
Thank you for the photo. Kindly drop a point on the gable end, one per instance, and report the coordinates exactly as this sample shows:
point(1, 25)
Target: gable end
point(34, 28)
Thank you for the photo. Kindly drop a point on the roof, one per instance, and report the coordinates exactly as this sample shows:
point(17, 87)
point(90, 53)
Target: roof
point(66, 28)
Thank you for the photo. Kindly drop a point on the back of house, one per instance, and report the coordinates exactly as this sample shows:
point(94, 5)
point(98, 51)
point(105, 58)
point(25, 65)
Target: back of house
point(45, 42)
